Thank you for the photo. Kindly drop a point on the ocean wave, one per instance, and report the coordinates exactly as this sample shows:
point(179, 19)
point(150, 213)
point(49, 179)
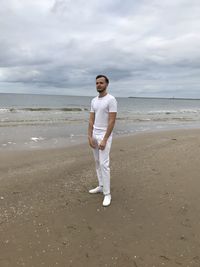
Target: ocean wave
point(168, 112)
point(41, 121)
point(3, 110)
point(156, 119)
point(43, 109)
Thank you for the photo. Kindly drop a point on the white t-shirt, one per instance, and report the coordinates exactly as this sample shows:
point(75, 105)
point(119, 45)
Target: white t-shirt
point(101, 106)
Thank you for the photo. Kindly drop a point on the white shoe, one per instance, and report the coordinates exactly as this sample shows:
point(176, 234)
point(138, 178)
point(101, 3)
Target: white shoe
point(107, 200)
point(98, 189)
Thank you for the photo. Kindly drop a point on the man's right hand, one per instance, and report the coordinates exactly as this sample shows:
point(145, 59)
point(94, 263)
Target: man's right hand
point(91, 142)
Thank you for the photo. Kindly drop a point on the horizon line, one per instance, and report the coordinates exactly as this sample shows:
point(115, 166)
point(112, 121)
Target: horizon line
point(143, 97)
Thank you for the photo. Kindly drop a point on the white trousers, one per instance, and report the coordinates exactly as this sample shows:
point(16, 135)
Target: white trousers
point(102, 161)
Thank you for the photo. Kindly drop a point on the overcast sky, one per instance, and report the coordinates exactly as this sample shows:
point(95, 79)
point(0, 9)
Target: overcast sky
point(146, 47)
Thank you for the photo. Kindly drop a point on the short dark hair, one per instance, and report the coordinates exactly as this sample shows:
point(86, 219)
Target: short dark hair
point(103, 76)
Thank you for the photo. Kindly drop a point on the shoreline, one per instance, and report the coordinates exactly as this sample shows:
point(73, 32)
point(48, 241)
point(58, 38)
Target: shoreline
point(48, 218)
point(74, 141)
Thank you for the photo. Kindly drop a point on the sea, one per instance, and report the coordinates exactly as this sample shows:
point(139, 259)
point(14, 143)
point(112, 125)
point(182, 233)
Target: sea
point(29, 122)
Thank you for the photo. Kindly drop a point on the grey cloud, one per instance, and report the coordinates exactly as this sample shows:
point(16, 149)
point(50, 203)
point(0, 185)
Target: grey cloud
point(146, 47)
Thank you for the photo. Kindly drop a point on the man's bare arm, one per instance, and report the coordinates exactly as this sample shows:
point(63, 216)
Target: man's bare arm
point(90, 129)
point(111, 124)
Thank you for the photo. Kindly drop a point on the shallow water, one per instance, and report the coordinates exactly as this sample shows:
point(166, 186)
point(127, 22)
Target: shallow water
point(40, 121)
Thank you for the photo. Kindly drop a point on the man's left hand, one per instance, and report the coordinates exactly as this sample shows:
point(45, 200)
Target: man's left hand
point(102, 145)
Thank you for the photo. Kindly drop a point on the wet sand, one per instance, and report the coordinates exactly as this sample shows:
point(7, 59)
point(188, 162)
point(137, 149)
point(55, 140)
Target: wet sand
point(47, 217)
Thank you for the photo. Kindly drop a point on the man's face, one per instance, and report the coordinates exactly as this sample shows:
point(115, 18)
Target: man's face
point(101, 84)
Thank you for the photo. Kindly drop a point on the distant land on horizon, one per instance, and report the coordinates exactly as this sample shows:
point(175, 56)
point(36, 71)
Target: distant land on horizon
point(137, 97)
point(172, 98)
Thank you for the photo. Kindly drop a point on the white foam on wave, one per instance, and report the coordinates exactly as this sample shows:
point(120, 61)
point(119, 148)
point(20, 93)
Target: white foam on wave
point(178, 111)
point(156, 112)
point(189, 110)
point(36, 139)
point(3, 110)
point(8, 143)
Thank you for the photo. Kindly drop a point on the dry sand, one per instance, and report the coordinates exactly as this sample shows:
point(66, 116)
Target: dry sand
point(47, 217)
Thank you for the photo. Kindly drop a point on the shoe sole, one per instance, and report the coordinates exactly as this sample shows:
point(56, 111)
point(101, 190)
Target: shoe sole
point(107, 205)
point(95, 192)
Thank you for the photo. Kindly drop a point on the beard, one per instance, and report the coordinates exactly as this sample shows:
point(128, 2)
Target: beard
point(101, 90)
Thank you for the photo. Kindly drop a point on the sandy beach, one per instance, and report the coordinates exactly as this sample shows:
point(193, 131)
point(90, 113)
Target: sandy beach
point(47, 217)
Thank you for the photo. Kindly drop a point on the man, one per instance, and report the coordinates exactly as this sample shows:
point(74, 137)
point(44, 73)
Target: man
point(101, 123)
